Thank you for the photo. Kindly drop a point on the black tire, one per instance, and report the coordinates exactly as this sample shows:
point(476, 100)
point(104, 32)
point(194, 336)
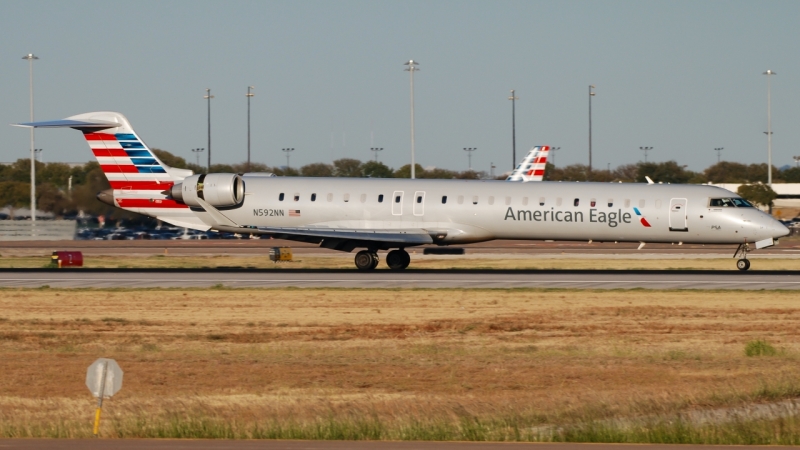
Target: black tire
point(364, 260)
point(375, 260)
point(395, 260)
point(743, 264)
point(406, 258)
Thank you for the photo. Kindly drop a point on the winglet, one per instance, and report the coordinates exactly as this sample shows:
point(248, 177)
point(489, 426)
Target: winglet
point(649, 181)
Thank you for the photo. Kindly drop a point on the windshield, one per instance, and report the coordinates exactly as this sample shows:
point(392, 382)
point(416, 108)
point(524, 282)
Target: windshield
point(729, 203)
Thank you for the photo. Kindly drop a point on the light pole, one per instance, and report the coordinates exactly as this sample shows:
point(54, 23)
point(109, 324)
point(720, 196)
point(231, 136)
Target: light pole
point(491, 169)
point(469, 151)
point(208, 97)
point(645, 150)
point(197, 152)
point(411, 69)
point(376, 150)
point(553, 150)
point(31, 57)
point(719, 153)
point(249, 94)
point(796, 161)
point(513, 99)
point(591, 94)
point(768, 73)
point(288, 152)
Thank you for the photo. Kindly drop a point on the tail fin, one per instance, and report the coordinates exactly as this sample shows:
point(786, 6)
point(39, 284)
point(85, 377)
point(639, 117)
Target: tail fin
point(532, 166)
point(137, 177)
point(124, 158)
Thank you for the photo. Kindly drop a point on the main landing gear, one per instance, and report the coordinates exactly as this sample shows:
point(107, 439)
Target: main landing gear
point(395, 259)
point(366, 260)
point(743, 263)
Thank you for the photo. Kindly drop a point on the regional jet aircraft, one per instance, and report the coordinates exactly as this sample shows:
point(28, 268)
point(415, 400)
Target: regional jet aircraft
point(394, 214)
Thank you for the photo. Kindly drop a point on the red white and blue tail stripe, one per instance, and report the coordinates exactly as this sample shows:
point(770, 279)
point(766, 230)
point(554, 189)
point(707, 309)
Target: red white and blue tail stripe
point(532, 166)
point(140, 181)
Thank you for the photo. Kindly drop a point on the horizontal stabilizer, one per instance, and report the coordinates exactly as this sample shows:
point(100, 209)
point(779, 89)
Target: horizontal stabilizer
point(66, 123)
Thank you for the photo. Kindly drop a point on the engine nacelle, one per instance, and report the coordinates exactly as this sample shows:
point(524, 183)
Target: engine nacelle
point(217, 189)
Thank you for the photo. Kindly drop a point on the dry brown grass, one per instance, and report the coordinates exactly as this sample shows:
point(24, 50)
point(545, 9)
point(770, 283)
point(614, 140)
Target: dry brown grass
point(255, 355)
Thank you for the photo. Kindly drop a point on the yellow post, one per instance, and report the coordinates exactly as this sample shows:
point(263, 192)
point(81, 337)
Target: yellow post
point(97, 422)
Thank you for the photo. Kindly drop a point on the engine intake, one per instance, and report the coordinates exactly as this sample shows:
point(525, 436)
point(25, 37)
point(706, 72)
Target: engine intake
point(217, 189)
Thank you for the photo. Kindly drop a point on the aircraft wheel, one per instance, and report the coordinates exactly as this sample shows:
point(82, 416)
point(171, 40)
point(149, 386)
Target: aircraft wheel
point(743, 264)
point(375, 260)
point(365, 261)
point(397, 259)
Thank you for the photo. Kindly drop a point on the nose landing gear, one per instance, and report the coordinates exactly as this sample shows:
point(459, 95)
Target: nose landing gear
point(743, 263)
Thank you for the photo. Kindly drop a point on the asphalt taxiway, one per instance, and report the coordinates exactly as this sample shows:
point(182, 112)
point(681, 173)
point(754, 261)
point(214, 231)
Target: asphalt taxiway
point(496, 279)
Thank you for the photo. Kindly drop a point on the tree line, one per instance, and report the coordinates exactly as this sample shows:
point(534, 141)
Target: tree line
point(52, 179)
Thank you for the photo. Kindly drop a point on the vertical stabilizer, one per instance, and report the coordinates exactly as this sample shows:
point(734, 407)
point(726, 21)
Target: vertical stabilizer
point(532, 166)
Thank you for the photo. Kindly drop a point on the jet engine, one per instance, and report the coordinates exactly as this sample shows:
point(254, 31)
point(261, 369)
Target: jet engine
point(220, 190)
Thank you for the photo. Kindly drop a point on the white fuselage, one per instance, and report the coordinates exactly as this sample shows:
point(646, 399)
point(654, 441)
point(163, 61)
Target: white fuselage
point(476, 211)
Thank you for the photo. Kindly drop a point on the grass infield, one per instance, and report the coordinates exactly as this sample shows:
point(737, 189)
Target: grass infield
point(439, 364)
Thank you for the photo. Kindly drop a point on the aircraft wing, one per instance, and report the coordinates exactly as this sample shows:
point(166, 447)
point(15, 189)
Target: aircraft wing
point(340, 238)
point(346, 239)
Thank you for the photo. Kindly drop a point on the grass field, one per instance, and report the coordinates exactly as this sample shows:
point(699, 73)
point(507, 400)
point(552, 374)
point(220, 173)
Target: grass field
point(402, 364)
point(663, 262)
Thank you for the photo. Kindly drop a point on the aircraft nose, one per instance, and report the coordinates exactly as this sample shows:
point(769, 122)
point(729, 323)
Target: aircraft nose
point(779, 230)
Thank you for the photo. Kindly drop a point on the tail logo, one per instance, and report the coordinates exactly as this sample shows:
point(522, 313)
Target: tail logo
point(641, 217)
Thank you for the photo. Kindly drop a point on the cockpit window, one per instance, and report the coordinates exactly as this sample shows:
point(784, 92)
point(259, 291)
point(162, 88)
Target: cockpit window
point(729, 203)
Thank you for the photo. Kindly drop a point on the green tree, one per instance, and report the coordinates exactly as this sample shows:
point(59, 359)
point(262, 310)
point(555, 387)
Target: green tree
point(664, 172)
point(760, 194)
point(347, 167)
point(376, 169)
point(791, 175)
point(405, 171)
point(317, 170)
point(170, 159)
point(436, 173)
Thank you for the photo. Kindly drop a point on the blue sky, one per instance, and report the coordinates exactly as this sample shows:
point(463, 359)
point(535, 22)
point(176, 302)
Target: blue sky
point(681, 76)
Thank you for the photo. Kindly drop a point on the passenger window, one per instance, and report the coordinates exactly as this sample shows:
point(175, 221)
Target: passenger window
point(611, 203)
point(558, 201)
point(346, 197)
point(313, 197)
point(397, 199)
point(658, 204)
point(330, 197)
point(541, 201)
point(593, 203)
point(491, 200)
point(576, 202)
point(508, 200)
point(363, 198)
point(524, 201)
point(419, 199)
point(641, 203)
point(627, 203)
point(280, 197)
point(297, 197)
point(474, 199)
point(380, 198)
point(460, 199)
point(444, 199)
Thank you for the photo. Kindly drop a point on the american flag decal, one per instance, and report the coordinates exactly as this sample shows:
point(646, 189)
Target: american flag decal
point(294, 213)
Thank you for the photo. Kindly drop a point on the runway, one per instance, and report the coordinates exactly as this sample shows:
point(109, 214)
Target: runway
point(484, 279)
point(189, 444)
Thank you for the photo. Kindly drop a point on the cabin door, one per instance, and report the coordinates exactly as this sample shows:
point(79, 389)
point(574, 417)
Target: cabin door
point(677, 215)
point(419, 203)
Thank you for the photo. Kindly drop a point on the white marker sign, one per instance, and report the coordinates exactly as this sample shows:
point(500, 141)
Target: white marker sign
point(105, 376)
